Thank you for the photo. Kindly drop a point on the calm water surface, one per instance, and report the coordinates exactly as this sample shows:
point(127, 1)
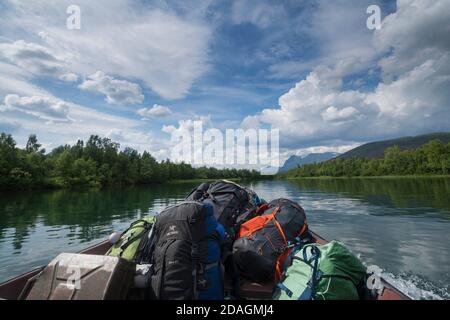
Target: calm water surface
point(400, 225)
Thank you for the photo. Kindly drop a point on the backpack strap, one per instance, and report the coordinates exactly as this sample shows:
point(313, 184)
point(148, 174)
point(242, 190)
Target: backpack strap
point(159, 282)
point(257, 223)
point(146, 248)
point(294, 246)
point(196, 267)
point(195, 258)
point(131, 239)
point(235, 278)
point(316, 275)
point(282, 287)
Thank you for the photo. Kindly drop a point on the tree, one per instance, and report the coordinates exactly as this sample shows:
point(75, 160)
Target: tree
point(95, 163)
point(8, 158)
point(33, 145)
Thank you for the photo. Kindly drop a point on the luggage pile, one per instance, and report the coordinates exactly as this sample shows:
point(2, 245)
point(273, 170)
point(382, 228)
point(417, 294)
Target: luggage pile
point(225, 231)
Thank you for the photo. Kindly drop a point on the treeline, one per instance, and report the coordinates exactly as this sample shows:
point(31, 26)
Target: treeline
point(432, 158)
point(96, 163)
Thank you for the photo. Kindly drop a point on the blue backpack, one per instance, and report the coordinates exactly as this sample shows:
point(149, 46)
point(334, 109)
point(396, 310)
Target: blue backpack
point(213, 270)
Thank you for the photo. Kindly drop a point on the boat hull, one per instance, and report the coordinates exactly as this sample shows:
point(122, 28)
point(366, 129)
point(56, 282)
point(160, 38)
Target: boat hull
point(18, 286)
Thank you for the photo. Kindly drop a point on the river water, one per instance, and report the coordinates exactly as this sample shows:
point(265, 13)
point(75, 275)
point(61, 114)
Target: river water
point(401, 225)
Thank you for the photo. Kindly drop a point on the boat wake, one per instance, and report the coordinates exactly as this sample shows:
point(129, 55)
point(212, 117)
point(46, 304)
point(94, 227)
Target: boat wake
point(416, 287)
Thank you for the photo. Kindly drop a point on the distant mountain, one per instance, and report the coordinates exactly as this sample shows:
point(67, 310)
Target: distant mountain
point(296, 161)
point(376, 149)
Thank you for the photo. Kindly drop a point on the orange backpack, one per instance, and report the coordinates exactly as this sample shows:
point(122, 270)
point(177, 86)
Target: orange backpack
point(262, 245)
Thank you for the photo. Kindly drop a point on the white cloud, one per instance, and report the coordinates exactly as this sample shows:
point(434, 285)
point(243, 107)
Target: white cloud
point(250, 122)
point(317, 108)
point(417, 72)
point(333, 30)
point(42, 107)
point(14, 79)
point(32, 57)
point(334, 114)
point(157, 111)
point(124, 38)
point(412, 98)
point(69, 77)
point(22, 61)
point(8, 126)
point(139, 140)
point(187, 125)
point(116, 91)
point(57, 122)
point(261, 13)
point(417, 32)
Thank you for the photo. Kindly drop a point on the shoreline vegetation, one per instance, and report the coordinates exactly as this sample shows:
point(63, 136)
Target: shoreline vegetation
point(444, 176)
point(100, 163)
point(429, 160)
point(97, 163)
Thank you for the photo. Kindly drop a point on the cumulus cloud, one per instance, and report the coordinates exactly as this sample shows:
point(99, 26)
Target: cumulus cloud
point(157, 111)
point(416, 75)
point(251, 122)
point(116, 91)
point(417, 32)
point(316, 108)
point(334, 114)
point(42, 107)
point(166, 51)
point(412, 97)
point(187, 125)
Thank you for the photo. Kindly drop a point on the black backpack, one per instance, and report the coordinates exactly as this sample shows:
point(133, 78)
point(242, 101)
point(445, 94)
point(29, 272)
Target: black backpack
point(181, 251)
point(233, 204)
point(263, 244)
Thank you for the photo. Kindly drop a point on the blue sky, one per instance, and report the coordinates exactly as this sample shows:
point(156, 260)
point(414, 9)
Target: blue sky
point(310, 68)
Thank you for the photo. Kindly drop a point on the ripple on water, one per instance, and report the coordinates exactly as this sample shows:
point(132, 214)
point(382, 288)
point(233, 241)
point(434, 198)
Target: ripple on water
point(397, 229)
point(417, 287)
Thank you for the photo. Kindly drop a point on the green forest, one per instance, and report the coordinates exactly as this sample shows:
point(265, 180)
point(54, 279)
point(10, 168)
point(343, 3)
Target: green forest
point(432, 158)
point(96, 163)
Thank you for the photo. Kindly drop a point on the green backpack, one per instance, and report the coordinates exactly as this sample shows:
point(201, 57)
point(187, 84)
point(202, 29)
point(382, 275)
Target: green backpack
point(132, 242)
point(322, 272)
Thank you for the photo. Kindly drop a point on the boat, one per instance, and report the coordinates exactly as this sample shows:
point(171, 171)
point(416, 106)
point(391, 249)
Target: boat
point(18, 287)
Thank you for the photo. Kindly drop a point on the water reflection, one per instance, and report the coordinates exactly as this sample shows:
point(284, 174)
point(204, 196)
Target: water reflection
point(36, 226)
point(402, 225)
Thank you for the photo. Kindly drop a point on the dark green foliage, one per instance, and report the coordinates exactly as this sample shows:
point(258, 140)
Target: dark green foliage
point(96, 163)
point(432, 158)
point(376, 149)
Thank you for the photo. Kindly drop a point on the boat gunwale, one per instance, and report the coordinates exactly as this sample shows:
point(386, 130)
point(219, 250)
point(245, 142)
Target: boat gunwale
point(19, 282)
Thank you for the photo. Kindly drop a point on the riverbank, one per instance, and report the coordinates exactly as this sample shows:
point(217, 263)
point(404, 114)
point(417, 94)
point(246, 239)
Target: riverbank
point(54, 185)
point(261, 178)
point(366, 177)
